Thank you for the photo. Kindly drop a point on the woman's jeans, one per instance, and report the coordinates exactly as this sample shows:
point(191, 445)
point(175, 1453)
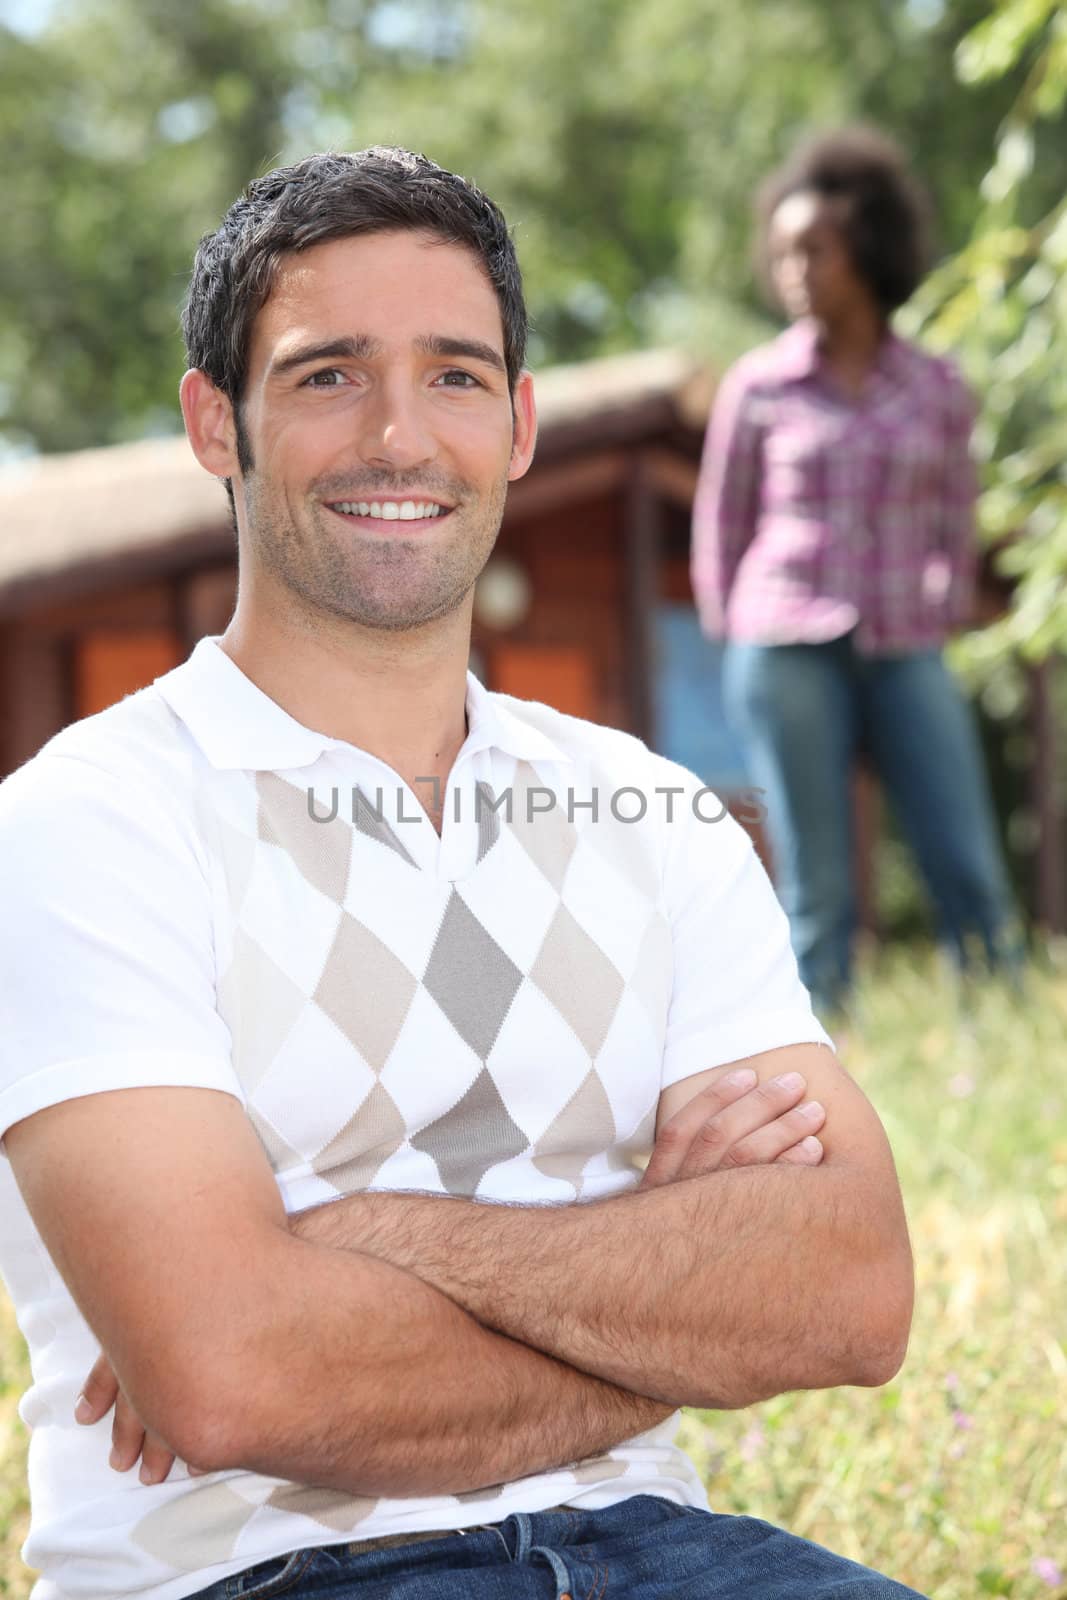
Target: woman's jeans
point(642, 1549)
point(804, 712)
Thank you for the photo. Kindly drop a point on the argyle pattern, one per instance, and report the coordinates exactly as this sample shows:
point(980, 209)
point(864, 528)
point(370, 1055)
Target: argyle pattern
point(423, 1034)
point(500, 1035)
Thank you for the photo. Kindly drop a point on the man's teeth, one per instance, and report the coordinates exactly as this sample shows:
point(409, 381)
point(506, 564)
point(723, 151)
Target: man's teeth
point(390, 510)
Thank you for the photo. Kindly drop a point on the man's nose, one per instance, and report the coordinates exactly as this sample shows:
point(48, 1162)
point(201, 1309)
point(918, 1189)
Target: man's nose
point(396, 427)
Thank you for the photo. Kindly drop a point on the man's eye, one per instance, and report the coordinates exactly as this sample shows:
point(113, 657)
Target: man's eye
point(456, 379)
point(329, 378)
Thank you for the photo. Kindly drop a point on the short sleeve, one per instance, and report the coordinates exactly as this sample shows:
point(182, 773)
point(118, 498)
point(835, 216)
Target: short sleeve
point(736, 988)
point(107, 972)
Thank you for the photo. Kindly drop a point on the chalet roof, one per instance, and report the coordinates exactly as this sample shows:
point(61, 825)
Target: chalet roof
point(98, 507)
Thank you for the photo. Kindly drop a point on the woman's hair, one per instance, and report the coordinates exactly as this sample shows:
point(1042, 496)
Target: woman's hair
point(885, 213)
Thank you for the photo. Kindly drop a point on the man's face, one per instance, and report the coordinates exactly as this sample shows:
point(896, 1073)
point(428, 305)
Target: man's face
point(381, 430)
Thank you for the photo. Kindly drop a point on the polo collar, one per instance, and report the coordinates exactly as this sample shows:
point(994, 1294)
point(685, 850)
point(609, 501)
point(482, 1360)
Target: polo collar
point(239, 728)
point(492, 724)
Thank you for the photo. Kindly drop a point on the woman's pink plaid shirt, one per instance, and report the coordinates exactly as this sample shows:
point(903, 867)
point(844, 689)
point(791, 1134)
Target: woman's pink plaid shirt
point(816, 513)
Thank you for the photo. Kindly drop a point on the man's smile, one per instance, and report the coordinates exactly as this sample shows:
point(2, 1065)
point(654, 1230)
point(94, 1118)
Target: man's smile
point(380, 511)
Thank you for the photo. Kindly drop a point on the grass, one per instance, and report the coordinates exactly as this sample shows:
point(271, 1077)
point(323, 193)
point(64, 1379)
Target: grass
point(14, 1500)
point(953, 1478)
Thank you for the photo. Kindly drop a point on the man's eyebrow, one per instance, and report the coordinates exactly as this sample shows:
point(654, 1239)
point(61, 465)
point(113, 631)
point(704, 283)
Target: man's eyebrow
point(435, 344)
point(355, 348)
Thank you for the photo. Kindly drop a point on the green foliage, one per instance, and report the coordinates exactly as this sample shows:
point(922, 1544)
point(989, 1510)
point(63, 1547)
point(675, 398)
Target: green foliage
point(623, 138)
point(14, 1493)
point(1000, 305)
point(126, 128)
point(625, 141)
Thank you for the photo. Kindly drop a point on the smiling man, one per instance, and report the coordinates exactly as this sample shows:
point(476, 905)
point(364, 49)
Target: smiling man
point(324, 1140)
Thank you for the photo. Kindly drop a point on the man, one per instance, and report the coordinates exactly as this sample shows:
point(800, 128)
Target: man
point(317, 919)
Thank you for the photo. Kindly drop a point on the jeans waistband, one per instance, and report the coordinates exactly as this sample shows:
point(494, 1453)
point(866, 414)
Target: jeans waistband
point(390, 1541)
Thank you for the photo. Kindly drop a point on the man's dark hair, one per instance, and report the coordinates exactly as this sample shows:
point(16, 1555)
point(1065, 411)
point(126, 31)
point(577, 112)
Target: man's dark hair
point(885, 213)
point(333, 196)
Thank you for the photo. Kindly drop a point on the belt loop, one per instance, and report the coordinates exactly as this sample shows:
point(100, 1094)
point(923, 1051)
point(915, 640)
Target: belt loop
point(524, 1531)
point(559, 1570)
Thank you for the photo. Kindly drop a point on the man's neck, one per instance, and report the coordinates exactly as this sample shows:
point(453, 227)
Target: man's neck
point(399, 696)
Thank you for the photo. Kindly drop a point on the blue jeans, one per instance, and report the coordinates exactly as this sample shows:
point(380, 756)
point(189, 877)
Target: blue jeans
point(641, 1549)
point(804, 712)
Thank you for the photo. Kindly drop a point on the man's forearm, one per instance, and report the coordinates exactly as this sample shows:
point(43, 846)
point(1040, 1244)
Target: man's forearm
point(717, 1291)
point(385, 1386)
point(727, 1118)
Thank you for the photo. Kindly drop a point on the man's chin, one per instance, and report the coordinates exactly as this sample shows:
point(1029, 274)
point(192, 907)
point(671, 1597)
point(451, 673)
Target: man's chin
point(395, 616)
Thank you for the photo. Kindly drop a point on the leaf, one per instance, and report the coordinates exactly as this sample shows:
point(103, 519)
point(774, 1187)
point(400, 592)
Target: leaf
point(995, 45)
point(1014, 162)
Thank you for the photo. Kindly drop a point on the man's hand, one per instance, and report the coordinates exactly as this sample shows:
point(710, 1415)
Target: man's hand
point(130, 1440)
point(734, 1122)
point(738, 1122)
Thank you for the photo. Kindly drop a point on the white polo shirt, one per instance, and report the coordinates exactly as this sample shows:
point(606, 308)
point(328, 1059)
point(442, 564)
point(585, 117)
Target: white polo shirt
point(198, 890)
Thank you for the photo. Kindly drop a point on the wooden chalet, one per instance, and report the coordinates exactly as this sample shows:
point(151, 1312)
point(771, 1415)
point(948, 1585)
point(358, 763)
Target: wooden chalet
point(114, 562)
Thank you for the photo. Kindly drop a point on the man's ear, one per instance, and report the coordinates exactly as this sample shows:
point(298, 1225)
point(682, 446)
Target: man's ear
point(209, 423)
point(524, 435)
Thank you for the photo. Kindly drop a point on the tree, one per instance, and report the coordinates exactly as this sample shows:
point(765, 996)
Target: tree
point(128, 126)
point(1001, 305)
point(627, 139)
point(623, 138)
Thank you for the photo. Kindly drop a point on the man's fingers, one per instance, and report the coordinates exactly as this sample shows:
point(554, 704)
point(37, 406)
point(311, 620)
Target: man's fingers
point(99, 1392)
point(127, 1435)
point(676, 1136)
point(808, 1153)
point(769, 1144)
point(715, 1140)
point(131, 1442)
point(156, 1459)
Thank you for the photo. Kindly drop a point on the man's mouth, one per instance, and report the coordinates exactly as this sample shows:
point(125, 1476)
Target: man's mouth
point(390, 510)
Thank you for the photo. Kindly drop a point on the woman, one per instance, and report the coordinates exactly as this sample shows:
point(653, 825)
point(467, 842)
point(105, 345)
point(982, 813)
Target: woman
point(833, 548)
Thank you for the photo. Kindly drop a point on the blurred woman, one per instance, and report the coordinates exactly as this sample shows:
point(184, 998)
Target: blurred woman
point(833, 547)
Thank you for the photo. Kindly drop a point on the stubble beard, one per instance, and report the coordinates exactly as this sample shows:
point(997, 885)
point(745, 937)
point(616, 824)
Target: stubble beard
point(389, 584)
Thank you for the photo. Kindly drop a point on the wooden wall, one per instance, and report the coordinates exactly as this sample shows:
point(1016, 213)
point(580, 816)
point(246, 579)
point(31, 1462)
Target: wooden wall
point(575, 649)
point(60, 662)
point(570, 649)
